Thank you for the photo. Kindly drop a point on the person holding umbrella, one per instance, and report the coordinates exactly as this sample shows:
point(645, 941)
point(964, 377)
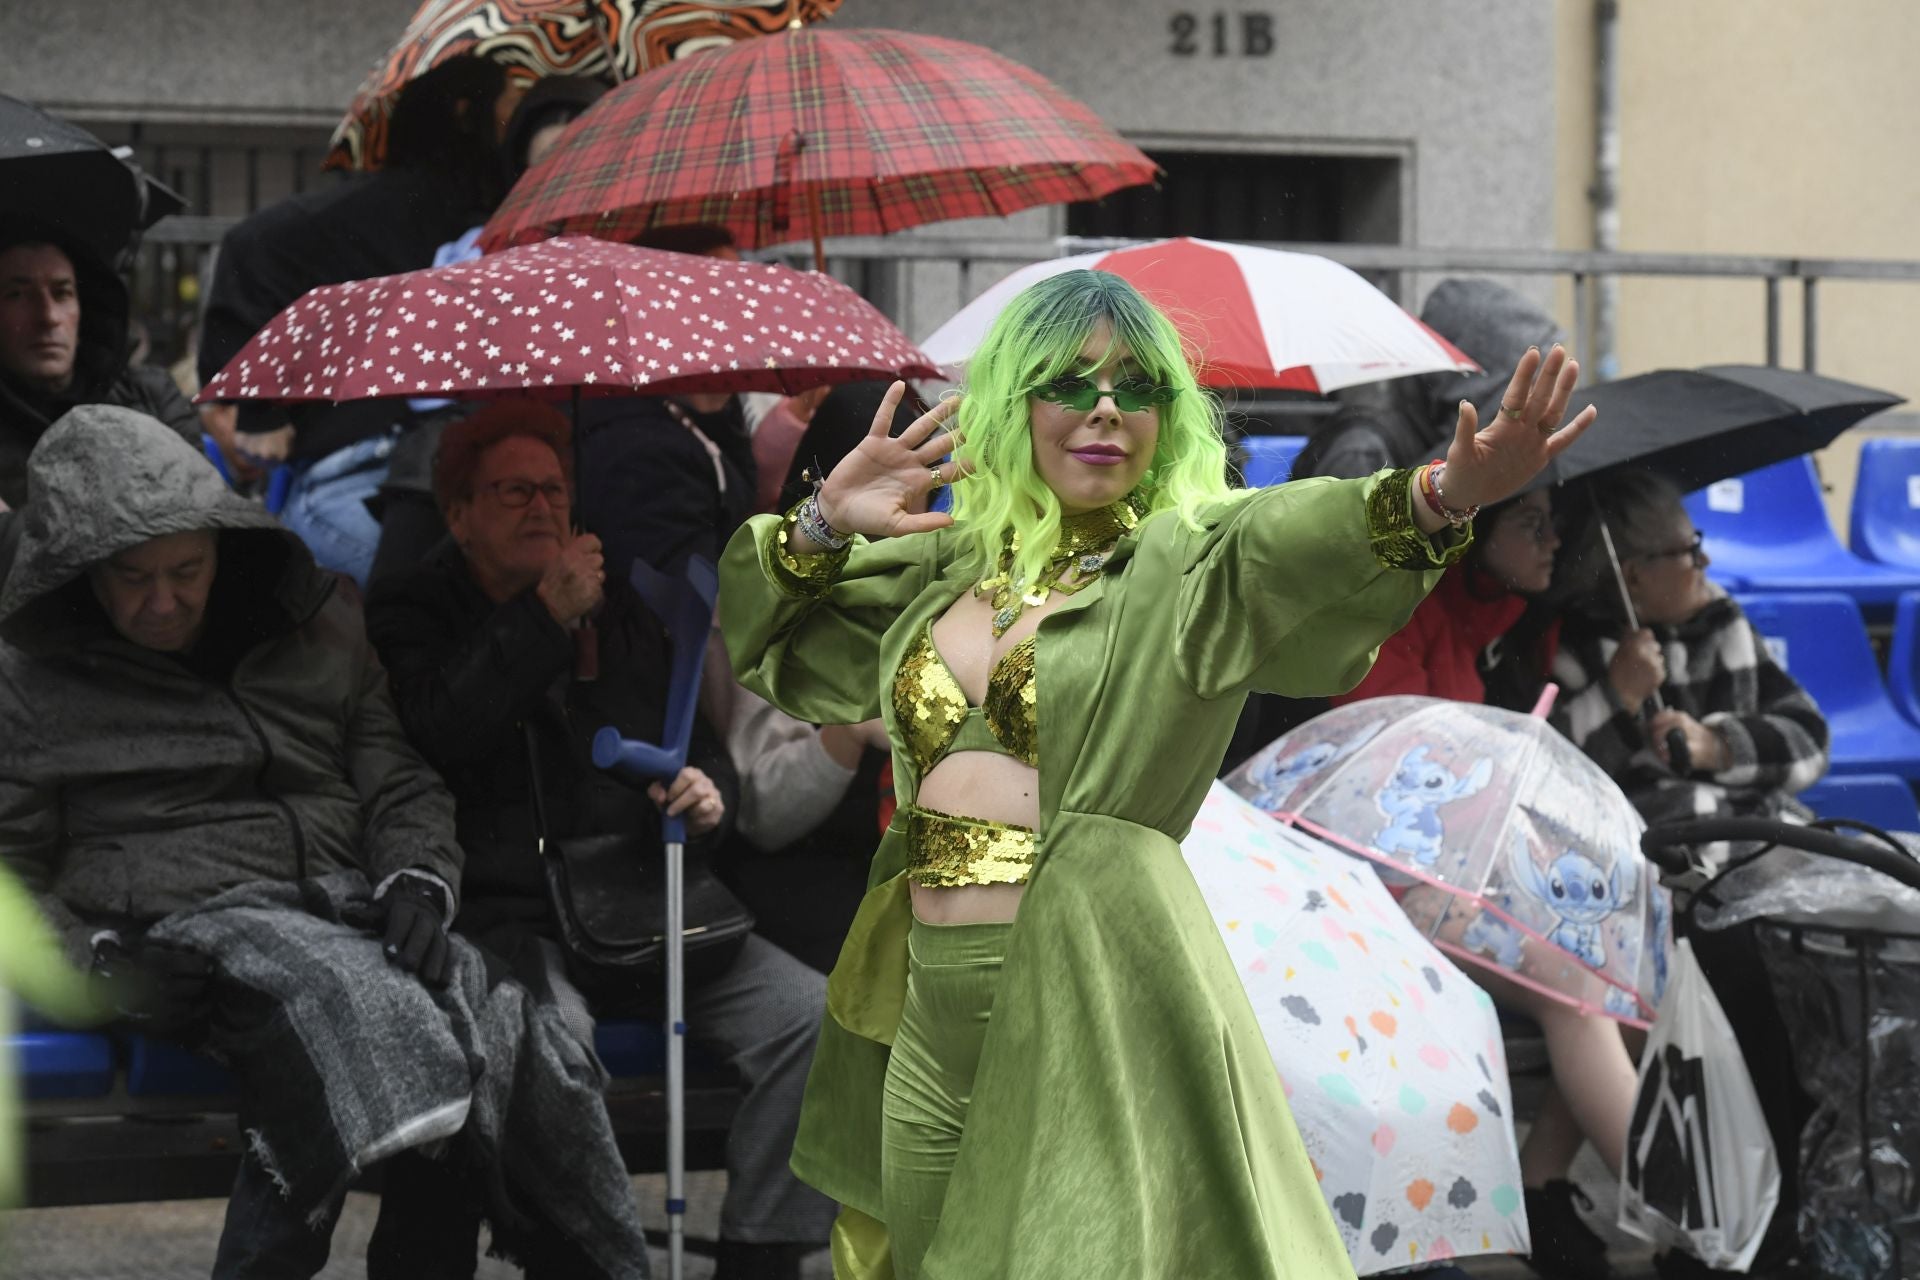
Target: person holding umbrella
point(1487, 635)
point(1753, 738)
point(445, 172)
point(1081, 1090)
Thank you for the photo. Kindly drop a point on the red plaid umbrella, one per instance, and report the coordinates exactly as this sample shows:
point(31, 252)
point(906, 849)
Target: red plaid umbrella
point(821, 133)
point(617, 39)
point(608, 319)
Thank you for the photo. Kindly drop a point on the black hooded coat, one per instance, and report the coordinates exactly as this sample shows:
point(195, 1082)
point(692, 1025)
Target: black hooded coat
point(102, 373)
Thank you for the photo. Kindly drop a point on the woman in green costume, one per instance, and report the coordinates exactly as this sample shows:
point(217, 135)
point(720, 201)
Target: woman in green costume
point(33, 969)
point(1037, 1061)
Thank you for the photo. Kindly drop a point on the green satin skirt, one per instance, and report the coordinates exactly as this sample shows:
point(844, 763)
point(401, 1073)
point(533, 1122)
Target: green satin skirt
point(952, 973)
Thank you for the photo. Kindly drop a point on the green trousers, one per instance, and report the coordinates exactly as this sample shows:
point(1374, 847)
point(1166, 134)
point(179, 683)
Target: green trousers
point(952, 972)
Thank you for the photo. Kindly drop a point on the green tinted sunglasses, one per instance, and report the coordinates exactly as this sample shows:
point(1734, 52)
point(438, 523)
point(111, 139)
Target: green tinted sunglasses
point(1130, 395)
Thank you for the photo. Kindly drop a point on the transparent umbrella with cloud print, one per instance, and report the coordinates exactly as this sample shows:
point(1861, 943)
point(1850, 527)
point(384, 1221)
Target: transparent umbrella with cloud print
point(1391, 1058)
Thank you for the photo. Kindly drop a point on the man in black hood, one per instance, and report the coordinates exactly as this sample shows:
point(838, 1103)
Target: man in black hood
point(1493, 325)
point(63, 342)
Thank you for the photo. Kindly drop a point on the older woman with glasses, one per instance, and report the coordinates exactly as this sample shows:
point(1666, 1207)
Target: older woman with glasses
point(478, 644)
point(1037, 1060)
point(1752, 734)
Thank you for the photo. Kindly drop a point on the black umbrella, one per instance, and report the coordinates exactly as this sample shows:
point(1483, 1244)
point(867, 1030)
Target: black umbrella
point(1703, 425)
point(57, 174)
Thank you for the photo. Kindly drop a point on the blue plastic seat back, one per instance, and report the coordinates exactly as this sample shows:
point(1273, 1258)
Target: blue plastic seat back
point(1819, 637)
point(1765, 511)
point(1270, 459)
point(63, 1064)
point(1903, 657)
point(1886, 503)
point(630, 1047)
point(1881, 799)
point(157, 1068)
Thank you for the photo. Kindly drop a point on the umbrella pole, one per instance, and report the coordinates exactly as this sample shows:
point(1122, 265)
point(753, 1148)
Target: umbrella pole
point(813, 223)
point(1677, 754)
point(586, 636)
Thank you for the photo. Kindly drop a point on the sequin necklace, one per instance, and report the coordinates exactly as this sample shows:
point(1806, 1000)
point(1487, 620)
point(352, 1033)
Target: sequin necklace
point(1085, 544)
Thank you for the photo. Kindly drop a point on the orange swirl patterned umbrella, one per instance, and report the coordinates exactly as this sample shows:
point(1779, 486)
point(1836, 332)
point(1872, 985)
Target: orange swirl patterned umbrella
point(617, 39)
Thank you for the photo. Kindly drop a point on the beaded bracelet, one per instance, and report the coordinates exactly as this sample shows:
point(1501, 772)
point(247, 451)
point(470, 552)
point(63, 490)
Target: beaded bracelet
point(808, 520)
point(1430, 490)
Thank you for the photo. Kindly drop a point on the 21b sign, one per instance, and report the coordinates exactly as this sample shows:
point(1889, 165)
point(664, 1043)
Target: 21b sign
point(1221, 35)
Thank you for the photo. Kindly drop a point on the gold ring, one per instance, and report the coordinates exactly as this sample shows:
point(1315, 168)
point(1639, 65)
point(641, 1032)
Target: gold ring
point(1507, 412)
point(1547, 428)
point(938, 479)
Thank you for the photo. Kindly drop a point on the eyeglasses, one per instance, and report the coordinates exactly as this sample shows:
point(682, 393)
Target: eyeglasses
point(1130, 395)
point(1694, 551)
point(519, 493)
point(1535, 526)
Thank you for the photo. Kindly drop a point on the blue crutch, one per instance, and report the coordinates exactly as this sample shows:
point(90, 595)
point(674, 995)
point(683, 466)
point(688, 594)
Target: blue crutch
point(685, 608)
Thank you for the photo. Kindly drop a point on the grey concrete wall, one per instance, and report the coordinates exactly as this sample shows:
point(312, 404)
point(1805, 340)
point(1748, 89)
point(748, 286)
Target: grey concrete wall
point(271, 61)
point(1460, 91)
point(1461, 87)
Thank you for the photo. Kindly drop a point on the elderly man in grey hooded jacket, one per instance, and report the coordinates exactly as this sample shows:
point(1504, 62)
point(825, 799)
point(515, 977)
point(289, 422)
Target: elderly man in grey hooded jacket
point(203, 780)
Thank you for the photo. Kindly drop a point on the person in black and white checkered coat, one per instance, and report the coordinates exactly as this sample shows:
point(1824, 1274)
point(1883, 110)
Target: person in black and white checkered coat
point(1754, 737)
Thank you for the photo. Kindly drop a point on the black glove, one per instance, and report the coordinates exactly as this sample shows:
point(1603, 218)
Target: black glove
point(163, 987)
point(416, 924)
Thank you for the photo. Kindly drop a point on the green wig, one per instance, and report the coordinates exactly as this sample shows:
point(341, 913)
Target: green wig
point(1038, 338)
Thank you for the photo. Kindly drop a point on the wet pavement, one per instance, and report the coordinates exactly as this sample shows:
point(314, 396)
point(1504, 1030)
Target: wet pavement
point(175, 1240)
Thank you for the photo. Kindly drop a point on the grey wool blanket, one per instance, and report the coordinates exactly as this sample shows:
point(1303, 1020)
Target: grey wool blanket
point(344, 1060)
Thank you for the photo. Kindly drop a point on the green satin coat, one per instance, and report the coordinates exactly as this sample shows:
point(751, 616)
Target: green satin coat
point(32, 968)
point(1127, 1120)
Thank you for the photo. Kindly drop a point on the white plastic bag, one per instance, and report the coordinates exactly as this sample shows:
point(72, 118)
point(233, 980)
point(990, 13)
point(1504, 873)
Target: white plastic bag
point(1700, 1172)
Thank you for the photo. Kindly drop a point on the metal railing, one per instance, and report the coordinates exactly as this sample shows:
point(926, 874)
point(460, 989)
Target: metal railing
point(1581, 267)
point(859, 255)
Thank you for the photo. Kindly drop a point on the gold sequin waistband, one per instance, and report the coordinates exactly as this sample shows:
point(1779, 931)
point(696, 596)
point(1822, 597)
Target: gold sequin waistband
point(945, 852)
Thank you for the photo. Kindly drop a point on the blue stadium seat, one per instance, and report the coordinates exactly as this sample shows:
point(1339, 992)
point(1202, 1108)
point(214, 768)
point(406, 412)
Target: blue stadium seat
point(1270, 458)
point(1886, 503)
point(64, 1064)
point(636, 1048)
point(632, 1048)
point(1877, 798)
point(1903, 657)
point(157, 1069)
point(1819, 637)
point(1768, 531)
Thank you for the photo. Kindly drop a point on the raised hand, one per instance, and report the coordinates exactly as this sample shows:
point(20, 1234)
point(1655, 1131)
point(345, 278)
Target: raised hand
point(575, 581)
point(880, 489)
point(1487, 464)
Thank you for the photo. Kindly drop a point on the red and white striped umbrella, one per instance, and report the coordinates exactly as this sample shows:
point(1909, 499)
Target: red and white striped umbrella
point(1255, 317)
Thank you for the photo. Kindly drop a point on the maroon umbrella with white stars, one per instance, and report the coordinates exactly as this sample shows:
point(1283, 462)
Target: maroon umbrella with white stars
point(573, 312)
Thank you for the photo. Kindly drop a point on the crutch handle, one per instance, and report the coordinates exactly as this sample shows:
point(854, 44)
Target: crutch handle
point(632, 759)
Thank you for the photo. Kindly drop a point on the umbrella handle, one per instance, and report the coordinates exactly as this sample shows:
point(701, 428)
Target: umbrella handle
point(586, 651)
point(1678, 757)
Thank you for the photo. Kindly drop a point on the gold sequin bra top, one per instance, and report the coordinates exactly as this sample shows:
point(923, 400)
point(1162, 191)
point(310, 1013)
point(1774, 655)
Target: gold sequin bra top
point(936, 720)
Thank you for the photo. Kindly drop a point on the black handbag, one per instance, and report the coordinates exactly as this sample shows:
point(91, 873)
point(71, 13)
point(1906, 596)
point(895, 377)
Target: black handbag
point(609, 897)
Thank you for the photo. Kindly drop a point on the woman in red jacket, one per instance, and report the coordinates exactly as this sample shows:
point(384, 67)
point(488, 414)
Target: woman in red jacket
point(1454, 637)
point(1467, 642)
